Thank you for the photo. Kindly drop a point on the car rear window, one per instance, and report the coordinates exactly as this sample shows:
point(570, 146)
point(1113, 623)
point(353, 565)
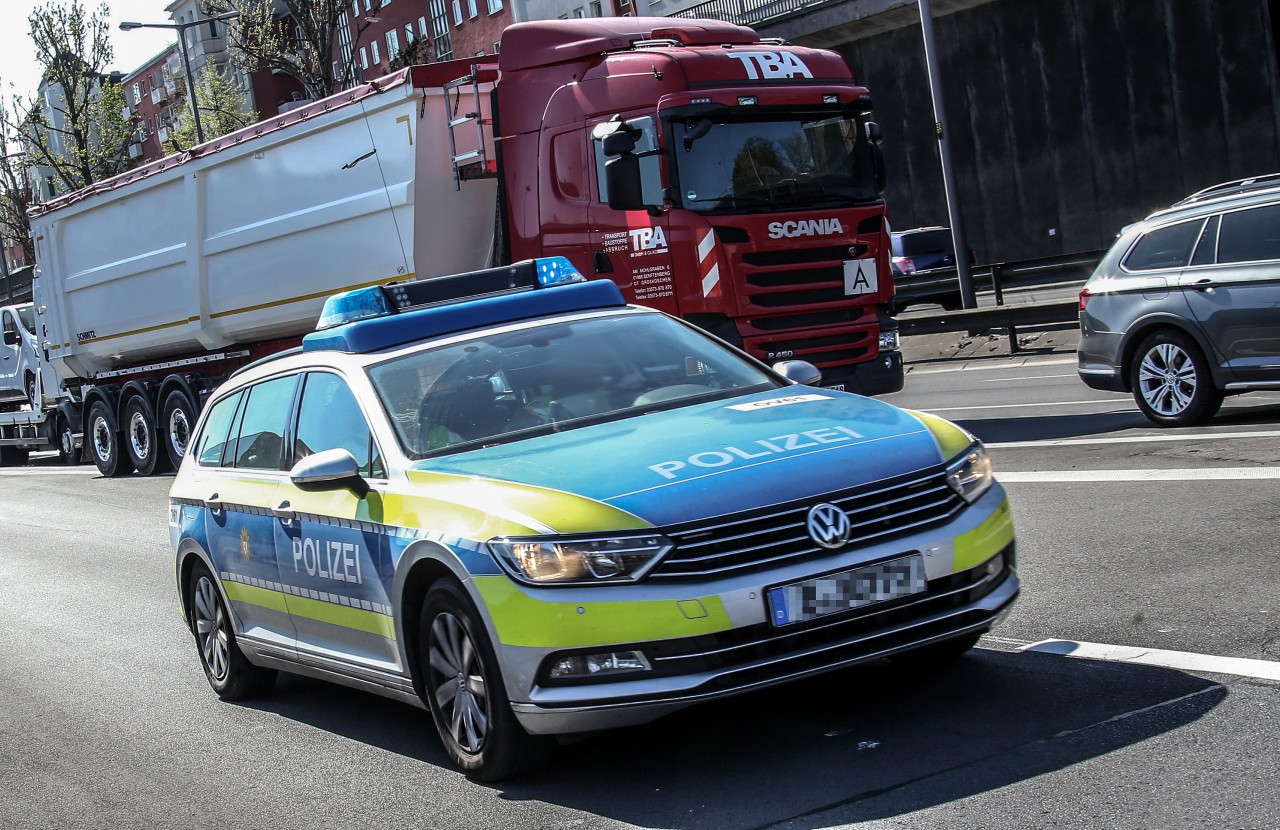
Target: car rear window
point(1168, 247)
point(928, 242)
point(1250, 235)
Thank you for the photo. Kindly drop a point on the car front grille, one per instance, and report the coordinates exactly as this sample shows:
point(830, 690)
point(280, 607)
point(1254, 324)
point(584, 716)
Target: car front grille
point(752, 540)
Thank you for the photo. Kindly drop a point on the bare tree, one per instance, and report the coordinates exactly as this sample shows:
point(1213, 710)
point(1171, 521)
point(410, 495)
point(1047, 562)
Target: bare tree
point(77, 131)
point(296, 37)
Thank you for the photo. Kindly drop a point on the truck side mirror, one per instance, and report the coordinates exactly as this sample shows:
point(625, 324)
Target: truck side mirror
point(875, 136)
point(622, 177)
point(618, 143)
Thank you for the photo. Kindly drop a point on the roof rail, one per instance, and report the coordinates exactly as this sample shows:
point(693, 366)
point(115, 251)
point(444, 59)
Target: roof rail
point(1232, 188)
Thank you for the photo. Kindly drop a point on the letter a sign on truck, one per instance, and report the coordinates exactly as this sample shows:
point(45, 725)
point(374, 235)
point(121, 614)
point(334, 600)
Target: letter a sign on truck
point(860, 277)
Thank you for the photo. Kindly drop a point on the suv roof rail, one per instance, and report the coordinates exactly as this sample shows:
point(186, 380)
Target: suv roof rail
point(1232, 188)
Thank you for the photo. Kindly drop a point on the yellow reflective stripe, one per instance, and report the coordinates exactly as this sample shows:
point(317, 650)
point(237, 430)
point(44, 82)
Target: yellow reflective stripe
point(253, 595)
point(313, 609)
point(521, 620)
point(952, 440)
point(985, 540)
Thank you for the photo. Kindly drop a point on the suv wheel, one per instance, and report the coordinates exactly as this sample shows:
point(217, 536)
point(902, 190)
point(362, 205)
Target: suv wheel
point(1171, 381)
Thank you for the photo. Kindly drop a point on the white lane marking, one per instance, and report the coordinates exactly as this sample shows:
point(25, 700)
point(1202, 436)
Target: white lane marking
point(1021, 364)
point(1183, 660)
point(1108, 402)
point(1031, 377)
point(1130, 439)
point(1207, 474)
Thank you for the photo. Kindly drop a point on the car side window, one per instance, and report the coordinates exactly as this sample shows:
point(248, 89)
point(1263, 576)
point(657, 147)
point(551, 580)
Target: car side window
point(1251, 235)
point(212, 442)
point(9, 325)
point(260, 441)
point(1207, 247)
point(1168, 247)
point(329, 418)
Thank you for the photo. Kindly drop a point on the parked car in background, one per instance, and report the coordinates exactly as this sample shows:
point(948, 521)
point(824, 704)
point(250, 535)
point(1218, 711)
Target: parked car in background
point(1185, 307)
point(923, 263)
point(18, 356)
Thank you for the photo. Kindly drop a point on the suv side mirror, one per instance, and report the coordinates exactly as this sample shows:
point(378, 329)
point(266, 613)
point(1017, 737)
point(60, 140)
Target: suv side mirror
point(799, 371)
point(334, 469)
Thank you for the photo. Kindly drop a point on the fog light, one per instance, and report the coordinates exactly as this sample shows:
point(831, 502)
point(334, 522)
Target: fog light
point(594, 665)
point(747, 100)
point(995, 565)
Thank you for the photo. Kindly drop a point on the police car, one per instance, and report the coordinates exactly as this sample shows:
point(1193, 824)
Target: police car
point(537, 510)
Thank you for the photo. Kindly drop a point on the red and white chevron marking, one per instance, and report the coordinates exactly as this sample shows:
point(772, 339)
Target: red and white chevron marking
point(708, 264)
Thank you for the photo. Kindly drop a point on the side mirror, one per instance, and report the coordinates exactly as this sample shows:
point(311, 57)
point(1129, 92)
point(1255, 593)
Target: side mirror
point(11, 338)
point(622, 178)
point(875, 137)
point(334, 469)
point(799, 371)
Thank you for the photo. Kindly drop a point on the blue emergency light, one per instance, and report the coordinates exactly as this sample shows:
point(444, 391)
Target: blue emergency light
point(384, 316)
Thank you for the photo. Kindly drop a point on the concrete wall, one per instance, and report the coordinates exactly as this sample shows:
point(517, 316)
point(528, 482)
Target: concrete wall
point(1072, 118)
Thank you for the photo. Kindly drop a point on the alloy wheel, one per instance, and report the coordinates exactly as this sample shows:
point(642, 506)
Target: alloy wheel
point(460, 689)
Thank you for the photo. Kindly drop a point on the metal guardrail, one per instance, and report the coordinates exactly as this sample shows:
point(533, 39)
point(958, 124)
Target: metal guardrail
point(748, 12)
point(997, 277)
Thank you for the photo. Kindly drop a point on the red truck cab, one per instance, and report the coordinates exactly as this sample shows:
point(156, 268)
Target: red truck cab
point(727, 179)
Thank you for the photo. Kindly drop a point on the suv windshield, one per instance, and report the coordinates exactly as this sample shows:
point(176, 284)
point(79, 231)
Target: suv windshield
point(730, 166)
point(500, 387)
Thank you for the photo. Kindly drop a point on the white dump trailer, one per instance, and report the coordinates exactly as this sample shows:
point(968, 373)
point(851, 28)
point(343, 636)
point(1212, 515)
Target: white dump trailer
point(153, 286)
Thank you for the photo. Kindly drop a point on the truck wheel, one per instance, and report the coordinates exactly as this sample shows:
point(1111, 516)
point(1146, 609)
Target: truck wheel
point(104, 442)
point(229, 672)
point(179, 419)
point(465, 694)
point(67, 452)
point(14, 456)
point(1171, 381)
point(142, 438)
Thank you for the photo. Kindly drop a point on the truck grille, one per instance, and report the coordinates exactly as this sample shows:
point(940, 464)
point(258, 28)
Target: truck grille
point(776, 535)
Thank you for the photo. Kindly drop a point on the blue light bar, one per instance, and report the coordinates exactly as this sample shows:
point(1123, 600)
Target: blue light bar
point(556, 270)
point(350, 306)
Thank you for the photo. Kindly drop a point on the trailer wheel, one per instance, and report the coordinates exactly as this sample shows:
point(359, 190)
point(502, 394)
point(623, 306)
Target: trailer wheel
point(104, 442)
point(67, 452)
point(142, 438)
point(179, 419)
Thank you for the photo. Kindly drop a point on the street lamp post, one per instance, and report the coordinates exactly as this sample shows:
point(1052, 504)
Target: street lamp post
point(181, 29)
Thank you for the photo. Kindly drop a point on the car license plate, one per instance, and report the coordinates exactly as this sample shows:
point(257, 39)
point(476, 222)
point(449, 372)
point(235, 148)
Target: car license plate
point(833, 593)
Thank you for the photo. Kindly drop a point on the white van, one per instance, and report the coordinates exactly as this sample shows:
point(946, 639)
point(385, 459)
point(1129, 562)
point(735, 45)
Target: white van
point(18, 362)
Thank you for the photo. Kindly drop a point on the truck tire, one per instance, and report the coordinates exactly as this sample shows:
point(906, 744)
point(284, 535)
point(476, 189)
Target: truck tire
point(179, 420)
point(13, 456)
point(104, 442)
point(142, 439)
point(464, 691)
point(67, 452)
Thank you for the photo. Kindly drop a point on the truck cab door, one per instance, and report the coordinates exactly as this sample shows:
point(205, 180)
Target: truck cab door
point(12, 357)
point(632, 247)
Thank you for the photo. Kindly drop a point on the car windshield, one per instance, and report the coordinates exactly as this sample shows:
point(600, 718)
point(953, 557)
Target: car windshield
point(28, 318)
point(511, 385)
point(727, 166)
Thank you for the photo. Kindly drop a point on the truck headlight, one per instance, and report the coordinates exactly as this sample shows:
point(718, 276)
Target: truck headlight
point(889, 340)
point(549, 560)
point(970, 474)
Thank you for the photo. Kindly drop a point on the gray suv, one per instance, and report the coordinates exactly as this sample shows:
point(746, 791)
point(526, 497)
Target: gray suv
point(1185, 307)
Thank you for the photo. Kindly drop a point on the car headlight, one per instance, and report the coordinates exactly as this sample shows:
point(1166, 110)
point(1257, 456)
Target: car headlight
point(543, 560)
point(970, 474)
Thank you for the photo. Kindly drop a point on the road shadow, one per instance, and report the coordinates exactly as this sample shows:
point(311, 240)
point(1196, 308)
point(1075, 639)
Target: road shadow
point(1086, 425)
point(877, 741)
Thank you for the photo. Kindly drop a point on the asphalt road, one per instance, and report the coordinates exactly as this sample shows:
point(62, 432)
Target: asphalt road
point(1129, 536)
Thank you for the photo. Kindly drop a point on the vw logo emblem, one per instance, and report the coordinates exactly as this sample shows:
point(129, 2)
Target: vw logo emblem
point(828, 526)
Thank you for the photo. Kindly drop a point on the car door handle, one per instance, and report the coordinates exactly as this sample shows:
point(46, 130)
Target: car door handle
point(284, 512)
point(213, 503)
point(1204, 284)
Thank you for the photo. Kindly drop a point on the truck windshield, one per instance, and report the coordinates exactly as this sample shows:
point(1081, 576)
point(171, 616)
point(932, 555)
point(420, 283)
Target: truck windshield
point(731, 166)
point(500, 387)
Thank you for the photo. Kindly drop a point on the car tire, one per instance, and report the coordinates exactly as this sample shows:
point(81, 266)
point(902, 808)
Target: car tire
point(229, 672)
point(104, 442)
point(1171, 381)
point(67, 452)
point(142, 439)
point(464, 691)
point(179, 420)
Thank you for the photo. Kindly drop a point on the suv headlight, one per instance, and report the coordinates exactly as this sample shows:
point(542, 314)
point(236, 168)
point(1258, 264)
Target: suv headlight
point(550, 560)
point(970, 474)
